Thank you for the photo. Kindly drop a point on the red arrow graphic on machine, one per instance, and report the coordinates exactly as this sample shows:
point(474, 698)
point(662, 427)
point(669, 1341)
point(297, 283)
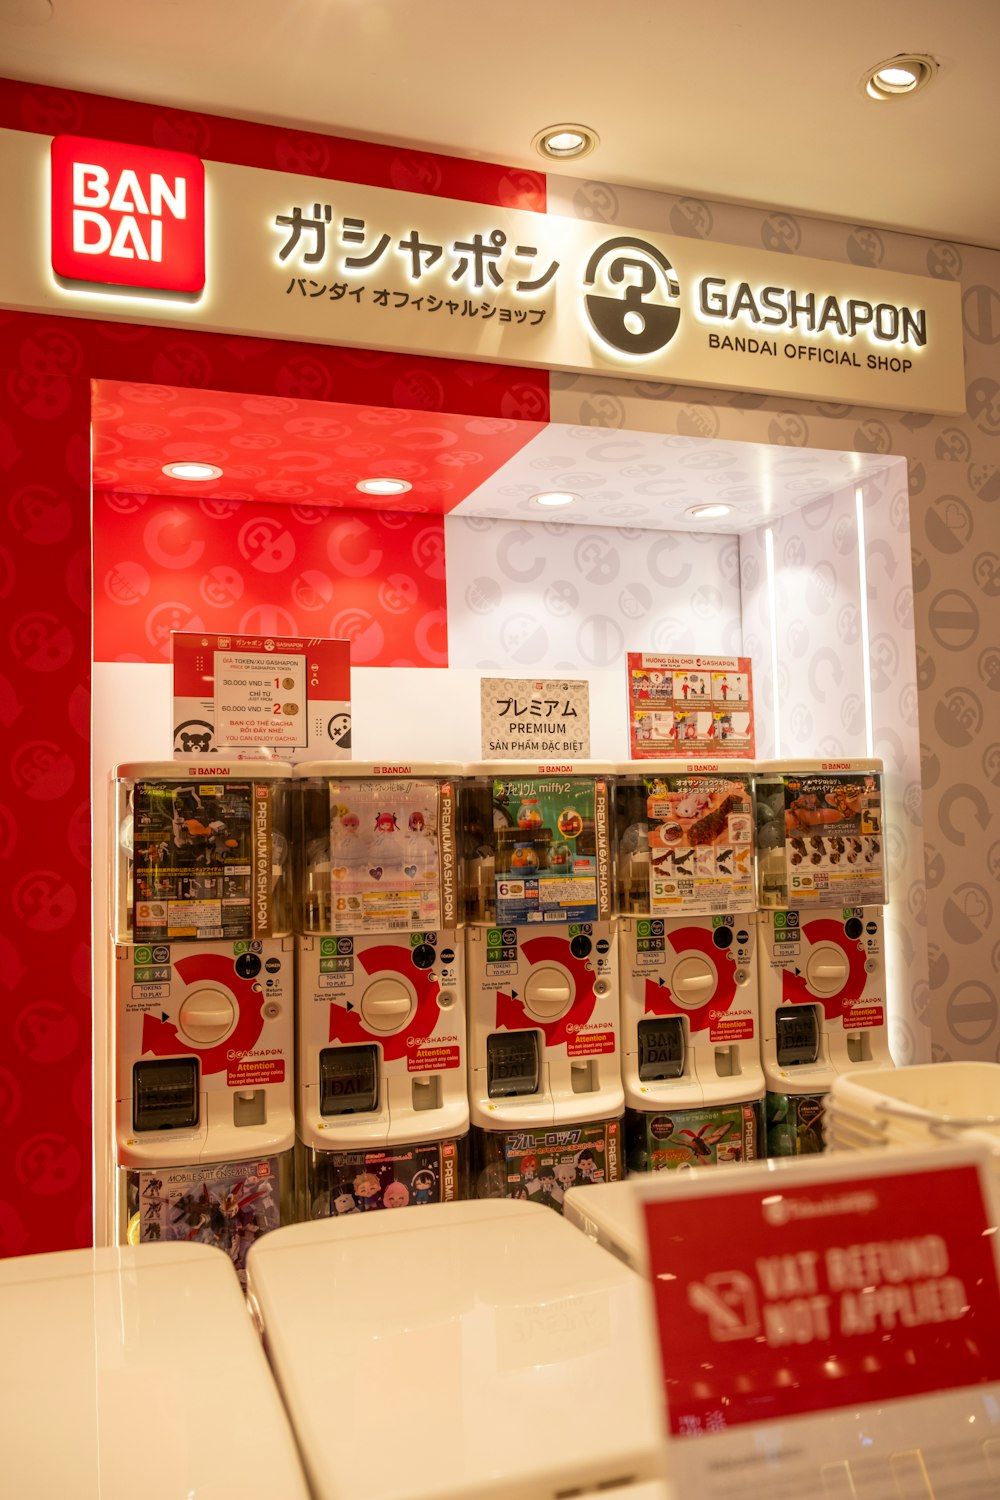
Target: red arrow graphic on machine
point(511, 1014)
point(794, 987)
point(347, 1026)
point(160, 1037)
point(660, 1001)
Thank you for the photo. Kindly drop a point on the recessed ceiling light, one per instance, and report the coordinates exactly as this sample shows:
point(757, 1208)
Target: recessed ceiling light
point(192, 471)
point(554, 497)
point(898, 76)
point(708, 512)
point(383, 486)
point(565, 142)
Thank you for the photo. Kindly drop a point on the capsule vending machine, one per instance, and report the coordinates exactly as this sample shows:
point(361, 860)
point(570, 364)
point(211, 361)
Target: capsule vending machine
point(204, 1001)
point(383, 1111)
point(821, 938)
point(694, 1088)
point(544, 1080)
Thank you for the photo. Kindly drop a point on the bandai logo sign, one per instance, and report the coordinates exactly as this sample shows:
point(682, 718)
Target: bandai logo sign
point(127, 216)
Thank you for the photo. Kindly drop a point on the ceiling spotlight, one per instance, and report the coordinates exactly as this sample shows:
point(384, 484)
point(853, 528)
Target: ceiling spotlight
point(900, 75)
point(192, 471)
point(554, 497)
point(707, 512)
point(565, 142)
point(383, 486)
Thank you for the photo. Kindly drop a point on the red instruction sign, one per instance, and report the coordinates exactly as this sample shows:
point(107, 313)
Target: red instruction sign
point(785, 1299)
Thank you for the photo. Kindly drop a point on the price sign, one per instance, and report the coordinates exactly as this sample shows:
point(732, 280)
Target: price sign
point(261, 695)
point(830, 1328)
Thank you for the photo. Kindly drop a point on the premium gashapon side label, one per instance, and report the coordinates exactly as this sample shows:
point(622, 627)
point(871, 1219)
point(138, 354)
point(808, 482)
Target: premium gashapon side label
point(202, 862)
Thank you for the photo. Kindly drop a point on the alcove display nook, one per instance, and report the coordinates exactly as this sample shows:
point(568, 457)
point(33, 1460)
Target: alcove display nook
point(805, 575)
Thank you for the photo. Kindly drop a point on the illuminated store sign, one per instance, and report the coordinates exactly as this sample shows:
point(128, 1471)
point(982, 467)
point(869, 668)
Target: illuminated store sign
point(127, 216)
point(342, 263)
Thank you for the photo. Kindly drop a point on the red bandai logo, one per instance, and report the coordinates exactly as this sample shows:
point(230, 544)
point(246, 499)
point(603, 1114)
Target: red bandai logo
point(127, 216)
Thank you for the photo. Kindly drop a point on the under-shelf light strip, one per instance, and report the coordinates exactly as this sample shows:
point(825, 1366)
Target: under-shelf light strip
point(866, 659)
point(772, 606)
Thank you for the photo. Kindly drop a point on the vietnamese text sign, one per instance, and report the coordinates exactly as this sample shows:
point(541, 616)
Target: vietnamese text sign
point(261, 695)
point(829, 1327)
point(523, 719)
point(689, 706)
point(329, 262)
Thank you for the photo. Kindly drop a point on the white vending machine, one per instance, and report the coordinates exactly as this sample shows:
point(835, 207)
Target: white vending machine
point(383, 1110)
point(203, 1001)
point(694, 1087)
point(545, 1084)
point(821, 937)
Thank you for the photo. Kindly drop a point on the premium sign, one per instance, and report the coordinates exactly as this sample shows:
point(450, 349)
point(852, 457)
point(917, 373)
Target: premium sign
point(332, 262)
point(127, 216)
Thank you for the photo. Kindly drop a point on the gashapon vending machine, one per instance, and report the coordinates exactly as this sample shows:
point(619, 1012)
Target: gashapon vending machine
point(821, 937)
point(694, 1088)
point(204, 996)
point(383, 1111)
point(544, 1079)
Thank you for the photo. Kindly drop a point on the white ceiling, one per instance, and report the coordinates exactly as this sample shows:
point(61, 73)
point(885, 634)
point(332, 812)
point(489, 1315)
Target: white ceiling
point(754, 101)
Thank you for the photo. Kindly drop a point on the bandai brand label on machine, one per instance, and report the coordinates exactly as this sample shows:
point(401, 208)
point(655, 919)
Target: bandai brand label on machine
point(202, 862)
point(228, 1205)
point(795, 1124)
point(551, 850)
point(542, 1165)
point(389, 841)
point(700, 834)
point(350, 1182)
point(673, 1138)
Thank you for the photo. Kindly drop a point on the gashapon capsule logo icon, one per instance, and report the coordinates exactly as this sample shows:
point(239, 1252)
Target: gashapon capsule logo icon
point(127, 216)
point(642, 318)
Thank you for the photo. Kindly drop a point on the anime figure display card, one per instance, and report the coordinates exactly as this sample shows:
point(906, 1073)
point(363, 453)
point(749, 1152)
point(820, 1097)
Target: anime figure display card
point(689, 707)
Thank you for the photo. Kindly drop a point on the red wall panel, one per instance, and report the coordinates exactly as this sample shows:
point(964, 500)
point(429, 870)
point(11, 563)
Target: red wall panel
point(46, 365)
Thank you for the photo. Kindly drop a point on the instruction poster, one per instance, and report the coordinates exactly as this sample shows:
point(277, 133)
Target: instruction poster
point(688, 707)
point(253, 697)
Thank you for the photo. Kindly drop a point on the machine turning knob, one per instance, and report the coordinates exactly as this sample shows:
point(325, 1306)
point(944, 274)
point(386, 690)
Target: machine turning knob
point(387, 1004)
point(547, 993)
point(827, 969)
point(206, 1015)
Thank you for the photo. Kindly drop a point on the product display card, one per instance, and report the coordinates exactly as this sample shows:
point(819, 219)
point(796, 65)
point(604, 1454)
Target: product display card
point(689, 706)
point(548, 851)
point(700, 831)
point(228, 1205)
point(832, 835)
point(194, 859)
point(385, 864)
point(829, 1326)
point(260, 696)
point(523, 719)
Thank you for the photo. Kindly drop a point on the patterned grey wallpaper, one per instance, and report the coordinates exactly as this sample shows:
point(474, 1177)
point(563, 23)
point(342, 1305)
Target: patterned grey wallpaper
point(953, 481)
